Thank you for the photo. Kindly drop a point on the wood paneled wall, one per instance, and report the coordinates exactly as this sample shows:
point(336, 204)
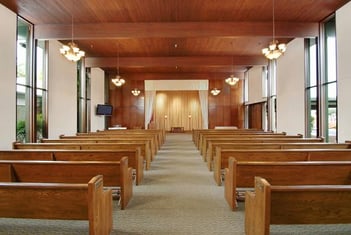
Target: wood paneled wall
point(128, 110)
point(225, 109)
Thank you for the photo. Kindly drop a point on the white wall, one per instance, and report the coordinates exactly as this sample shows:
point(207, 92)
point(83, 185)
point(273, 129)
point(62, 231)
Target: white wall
point(62, 93)
point(7, 77)
point(343, 35)
point(290, 89)
point(97, 97)
point(255, 85)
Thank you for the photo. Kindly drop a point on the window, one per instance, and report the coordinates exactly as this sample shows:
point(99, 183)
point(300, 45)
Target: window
point(272, 96)
point(24, 85)
point(31, 86)
point(328, 82)
point(321, 84)
point(311, 90)
point(41, 91)
point(84, 97)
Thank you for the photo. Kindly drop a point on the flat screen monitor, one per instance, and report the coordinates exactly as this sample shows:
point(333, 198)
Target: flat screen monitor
point(104, 109)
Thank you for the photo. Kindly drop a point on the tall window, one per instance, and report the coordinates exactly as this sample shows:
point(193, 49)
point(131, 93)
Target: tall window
point(41, 91)
point(272, 95)
point(311, 91)
point(84, 97)
point(328, 82)
point(24, 85)
point(321, 84)
point(31, 86)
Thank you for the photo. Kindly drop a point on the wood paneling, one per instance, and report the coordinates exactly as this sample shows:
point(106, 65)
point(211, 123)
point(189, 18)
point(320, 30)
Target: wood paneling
point(255, 116)
point(128, 109)
point(177, 32)
point(226, 109)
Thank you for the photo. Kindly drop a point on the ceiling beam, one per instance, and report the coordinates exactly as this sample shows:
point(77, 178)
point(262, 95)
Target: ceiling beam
point(188, 61)
point(175, 30)
point(177, 76)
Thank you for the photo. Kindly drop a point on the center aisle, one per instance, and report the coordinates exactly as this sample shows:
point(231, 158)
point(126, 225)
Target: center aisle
point(178, 196)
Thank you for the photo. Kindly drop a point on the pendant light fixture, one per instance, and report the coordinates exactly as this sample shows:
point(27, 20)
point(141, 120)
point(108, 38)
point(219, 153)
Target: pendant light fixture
point(71, 51)
point(118, 80)
point(232, 80)
point(135, 91)
point(275, 49)
point(215, 91)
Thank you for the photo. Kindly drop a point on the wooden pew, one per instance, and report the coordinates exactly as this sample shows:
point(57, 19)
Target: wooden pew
point(223, 155)
point(255, 139)
point(83, 201)
point(158, 134)
point(303, 145)
point(206, 137)
point(307, 204)
point(197, 133)
point(241, 174)
point(88, 146)
point(146, 147)
point(116, 174)
point(154, 142)
point(149, 145)
point(135, 160)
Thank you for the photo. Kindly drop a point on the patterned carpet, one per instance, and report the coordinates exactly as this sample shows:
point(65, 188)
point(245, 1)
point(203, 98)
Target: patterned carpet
point(177, 197)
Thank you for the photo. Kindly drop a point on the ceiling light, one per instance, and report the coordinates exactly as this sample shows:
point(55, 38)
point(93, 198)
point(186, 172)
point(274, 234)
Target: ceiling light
point(71, 51)
point(232, 80)
point(215, 91)
point(275, 49)
point(135, 91)
point(118, 80)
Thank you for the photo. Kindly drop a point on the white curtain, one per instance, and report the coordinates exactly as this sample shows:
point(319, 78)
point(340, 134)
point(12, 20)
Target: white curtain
point(203, 95)
point(149, 104)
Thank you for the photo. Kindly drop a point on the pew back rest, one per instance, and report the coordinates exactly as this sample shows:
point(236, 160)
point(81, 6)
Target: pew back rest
point(292, 205)
point(293, 173)
point(88, 201)
point(26, 155)
point(67, 172)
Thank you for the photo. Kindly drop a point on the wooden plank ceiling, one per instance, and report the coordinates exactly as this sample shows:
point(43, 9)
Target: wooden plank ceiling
point(174, 39)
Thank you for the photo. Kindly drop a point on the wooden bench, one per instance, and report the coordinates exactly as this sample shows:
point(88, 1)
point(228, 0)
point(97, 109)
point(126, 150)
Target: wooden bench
point(158, 134)
point(303, 145)
point(88, 146)
point(203, 145)
point(149, 144)
point(223, 155)
point(116, 174)
point(197, 133)
point(146, 147)
point(238, 133)
point(135, 160)
point(241, 174)
point(306, 204)
point(154, 141)
point(253, 139)
point(64, 201)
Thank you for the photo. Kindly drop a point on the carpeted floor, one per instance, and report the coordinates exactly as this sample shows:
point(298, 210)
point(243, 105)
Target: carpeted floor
point(177, 197)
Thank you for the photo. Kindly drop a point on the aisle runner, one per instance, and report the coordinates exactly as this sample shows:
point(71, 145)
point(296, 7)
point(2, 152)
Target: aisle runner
point(178, 196)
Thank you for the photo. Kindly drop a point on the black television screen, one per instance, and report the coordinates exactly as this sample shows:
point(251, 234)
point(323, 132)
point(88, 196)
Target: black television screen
point(104, 109)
